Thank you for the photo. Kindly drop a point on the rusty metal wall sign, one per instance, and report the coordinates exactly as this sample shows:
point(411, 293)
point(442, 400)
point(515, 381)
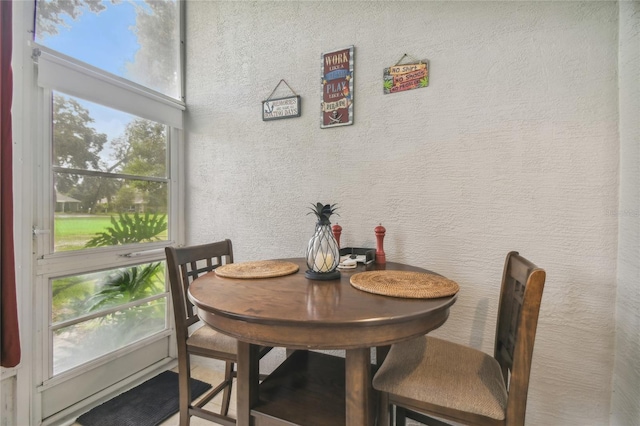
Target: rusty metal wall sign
point(337, 88)
point(407, 76)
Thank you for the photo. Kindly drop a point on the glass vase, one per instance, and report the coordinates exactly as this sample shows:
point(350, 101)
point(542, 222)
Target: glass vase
point(323, 254)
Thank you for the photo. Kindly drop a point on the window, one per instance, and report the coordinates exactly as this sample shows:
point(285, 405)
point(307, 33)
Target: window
point(107, 100)
point(137, 40)
point(110, 186)
point(108, 310)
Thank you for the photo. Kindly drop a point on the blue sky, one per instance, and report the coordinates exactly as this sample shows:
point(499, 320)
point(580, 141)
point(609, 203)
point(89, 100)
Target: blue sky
point(106, 41)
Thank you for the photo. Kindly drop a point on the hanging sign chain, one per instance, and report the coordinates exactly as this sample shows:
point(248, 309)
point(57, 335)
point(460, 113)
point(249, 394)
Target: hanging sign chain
point(410, 57)
point(278, 85)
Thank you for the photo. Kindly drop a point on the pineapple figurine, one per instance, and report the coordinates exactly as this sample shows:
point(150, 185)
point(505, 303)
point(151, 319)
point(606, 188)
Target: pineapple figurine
point(323, 253)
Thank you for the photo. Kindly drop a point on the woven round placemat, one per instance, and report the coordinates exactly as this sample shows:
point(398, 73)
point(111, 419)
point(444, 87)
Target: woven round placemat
point(417, 285)
point(257, 269)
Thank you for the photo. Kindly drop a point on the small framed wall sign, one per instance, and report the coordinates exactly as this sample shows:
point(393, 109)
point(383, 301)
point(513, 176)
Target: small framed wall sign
point(337, 88)
point(287, 107)
point(275, 109)
point(407, 76)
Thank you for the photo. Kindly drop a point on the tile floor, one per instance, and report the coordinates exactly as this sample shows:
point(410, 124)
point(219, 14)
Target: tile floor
point(210, 372)
point(210, 375)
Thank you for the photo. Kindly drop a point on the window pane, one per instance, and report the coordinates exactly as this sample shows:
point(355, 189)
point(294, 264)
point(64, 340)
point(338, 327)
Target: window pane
point(92, 146)
point(82, 295)
point(109, 212)
point(79, 295)
point(101, 336)
point(88, 136)
point(138, 40)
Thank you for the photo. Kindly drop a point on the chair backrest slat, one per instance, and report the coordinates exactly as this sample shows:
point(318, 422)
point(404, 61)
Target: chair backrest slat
point(518, 310)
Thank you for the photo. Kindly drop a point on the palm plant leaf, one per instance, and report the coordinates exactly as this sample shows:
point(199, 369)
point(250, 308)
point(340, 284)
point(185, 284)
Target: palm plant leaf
point(129, 229)
point(126, 285)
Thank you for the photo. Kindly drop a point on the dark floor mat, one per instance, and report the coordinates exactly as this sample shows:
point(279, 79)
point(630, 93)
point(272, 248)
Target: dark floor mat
point(148, 404)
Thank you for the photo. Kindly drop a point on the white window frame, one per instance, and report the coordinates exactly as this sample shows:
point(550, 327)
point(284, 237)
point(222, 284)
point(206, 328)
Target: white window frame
point(51, 265)
point(35, 262)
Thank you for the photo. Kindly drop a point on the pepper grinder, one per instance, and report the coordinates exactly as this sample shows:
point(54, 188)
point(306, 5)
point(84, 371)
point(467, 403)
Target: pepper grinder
point(380, 233)
point(337, 230)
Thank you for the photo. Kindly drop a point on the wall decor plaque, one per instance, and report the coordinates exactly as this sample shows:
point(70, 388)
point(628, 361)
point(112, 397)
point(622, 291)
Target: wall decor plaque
point(275, 109)
point(337, 88)
point(408, 76)
point(287, 107)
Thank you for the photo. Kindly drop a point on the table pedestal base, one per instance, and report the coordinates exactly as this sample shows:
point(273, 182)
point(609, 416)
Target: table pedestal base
point(307, 389)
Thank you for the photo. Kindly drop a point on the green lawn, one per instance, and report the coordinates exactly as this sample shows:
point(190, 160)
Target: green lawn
point(73, 231)
point(69, 226)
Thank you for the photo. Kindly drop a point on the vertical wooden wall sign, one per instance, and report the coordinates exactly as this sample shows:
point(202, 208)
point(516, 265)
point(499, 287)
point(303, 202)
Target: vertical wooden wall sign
point(337, 88)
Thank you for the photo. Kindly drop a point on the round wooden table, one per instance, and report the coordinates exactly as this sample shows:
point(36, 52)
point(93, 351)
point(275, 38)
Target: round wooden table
point(298, 313)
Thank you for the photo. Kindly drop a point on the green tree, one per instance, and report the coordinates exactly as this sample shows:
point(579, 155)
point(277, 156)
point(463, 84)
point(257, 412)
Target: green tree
point(52, 13)
point(90, 190)
point(142, 151)
point(157, 31)
point(124, 198)
point(76, 144)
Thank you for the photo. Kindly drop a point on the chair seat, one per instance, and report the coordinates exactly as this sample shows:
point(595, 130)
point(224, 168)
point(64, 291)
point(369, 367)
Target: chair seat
point(446, 374)
point(207, 338)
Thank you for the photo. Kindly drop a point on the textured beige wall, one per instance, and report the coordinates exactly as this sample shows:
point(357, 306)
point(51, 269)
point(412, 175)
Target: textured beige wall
point(513, 146)
point(625, 404)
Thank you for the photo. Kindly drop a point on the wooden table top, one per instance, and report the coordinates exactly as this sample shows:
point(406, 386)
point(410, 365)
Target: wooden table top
point(297, 312)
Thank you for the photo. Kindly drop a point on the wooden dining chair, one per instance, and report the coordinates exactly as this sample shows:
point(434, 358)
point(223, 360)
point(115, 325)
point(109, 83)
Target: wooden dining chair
point(185, 265)
point(429, 379)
